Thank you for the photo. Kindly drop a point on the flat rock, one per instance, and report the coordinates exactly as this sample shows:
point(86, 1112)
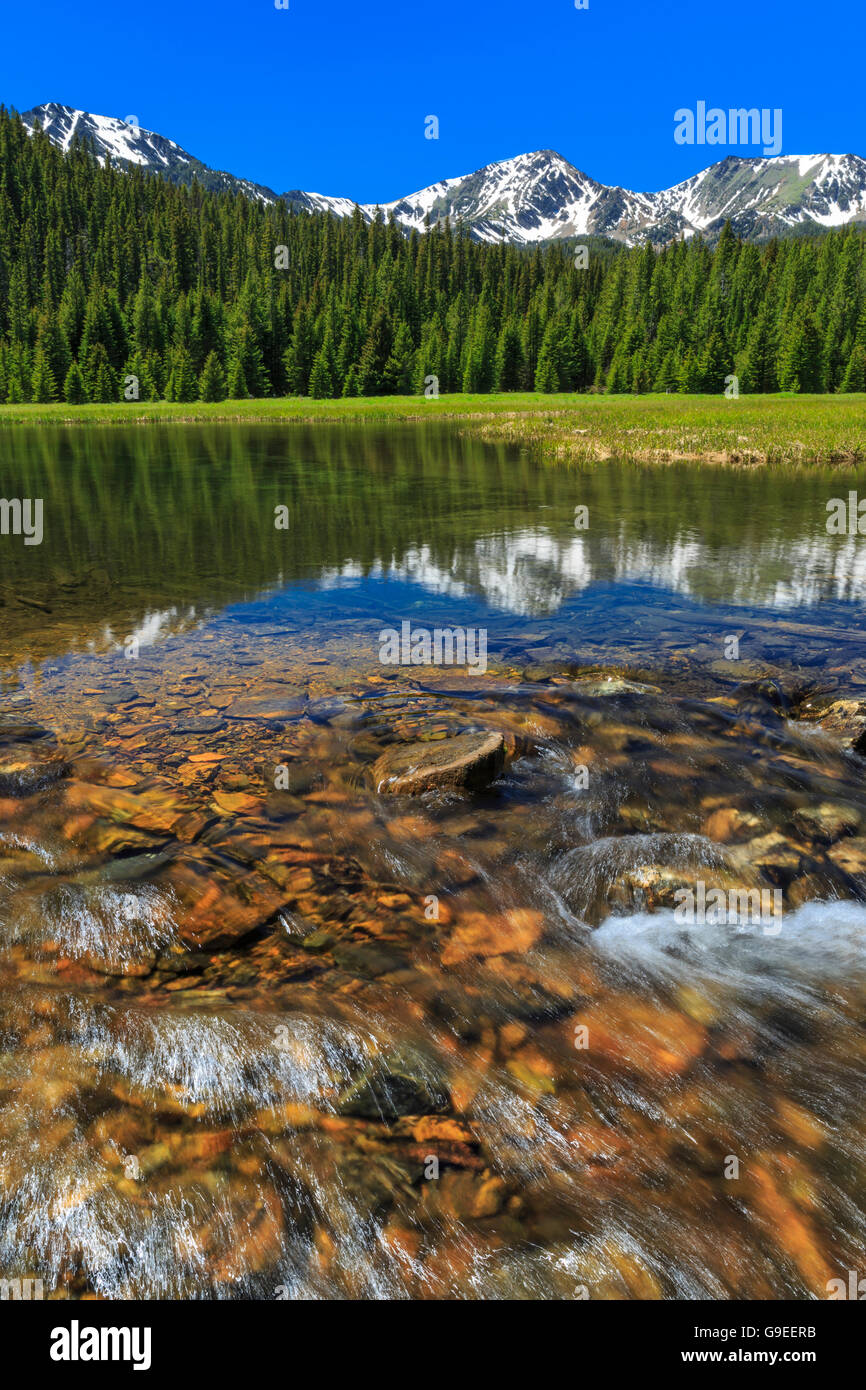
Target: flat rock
point(268, 707)
point(467, 760)
point(369, 959)
point(154, 809)
point(120, 695)
point(198, 726)
point(21, 733)
point(483, 934)
point(327, 711)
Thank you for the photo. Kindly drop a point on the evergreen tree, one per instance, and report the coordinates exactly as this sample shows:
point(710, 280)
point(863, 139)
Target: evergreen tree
point(43, 387)
point(375, 355)
point(182, 382)
point(74, 390)
point(398, 371)
point(212, 382)
point(321, 381)
point(100, 381)
point(800, 358)
point(855, 372)
point(546, 371)
point(237, 386)
point(509, 358)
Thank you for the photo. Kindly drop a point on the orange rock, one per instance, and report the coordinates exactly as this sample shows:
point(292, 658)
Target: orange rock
point(77, 825)
point(403, 1243)
point(120, 777)
point(149, 809)
point(477, 934)
point(533, 1070)
point(639, 1037)
point(218, 903)
point(251, 1236)
point(511, 1035)
point(394, 900)
point(433, 1127)
point(237, 803)
point(799, 1125)
point(729, 824)
point(792, 1231)
point(489, 1197)
point(410, 827)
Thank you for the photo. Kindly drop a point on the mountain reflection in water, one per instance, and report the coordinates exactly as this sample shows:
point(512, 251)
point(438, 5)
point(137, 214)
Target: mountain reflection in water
point(288, 1037)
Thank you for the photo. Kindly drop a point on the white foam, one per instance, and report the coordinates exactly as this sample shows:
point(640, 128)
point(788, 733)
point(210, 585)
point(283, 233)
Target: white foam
point(819, 942)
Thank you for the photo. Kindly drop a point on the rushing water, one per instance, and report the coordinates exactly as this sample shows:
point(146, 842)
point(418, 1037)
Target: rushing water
point(266, 1030)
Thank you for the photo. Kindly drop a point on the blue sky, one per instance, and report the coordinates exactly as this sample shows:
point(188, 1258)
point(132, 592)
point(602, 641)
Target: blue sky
point(331, 95)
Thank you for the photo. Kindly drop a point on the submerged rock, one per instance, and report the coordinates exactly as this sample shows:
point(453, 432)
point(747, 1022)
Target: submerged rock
point(761, 696)
point(369, 959)
point(295, 776)
point(216, 902)
point(597, 686)
point(284, 706)
point(774, 856)
point(21, 733)
point(484, 934)
point(397, 1085)
point(23, 771)
point(198, 726)
point(828, 821)
point(849, 855)
point(732, 825)
point(119, 695)
point(541, 671)
point(468, 760)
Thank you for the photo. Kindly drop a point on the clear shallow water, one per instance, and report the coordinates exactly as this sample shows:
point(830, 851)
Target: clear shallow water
point(235, 1037)
point(149, 530)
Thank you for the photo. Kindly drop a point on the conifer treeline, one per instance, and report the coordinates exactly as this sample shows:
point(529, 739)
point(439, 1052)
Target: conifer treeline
point(107, 276)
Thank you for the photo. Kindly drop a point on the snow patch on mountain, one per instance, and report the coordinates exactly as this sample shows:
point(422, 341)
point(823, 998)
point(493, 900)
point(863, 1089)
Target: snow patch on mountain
point(126, 144)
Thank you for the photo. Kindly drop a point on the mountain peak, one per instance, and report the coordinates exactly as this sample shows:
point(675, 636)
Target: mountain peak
point(534, 197)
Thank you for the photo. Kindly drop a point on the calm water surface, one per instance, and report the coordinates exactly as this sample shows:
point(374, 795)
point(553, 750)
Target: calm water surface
point(266, 1032)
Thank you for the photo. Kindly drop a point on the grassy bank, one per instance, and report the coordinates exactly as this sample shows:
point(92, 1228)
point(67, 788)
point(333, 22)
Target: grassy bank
point(753, 429)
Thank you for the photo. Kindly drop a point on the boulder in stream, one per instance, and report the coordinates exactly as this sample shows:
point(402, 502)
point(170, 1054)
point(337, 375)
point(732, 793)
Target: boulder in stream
point(467, 760)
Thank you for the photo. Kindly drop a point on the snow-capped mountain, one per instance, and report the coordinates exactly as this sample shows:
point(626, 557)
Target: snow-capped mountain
point(766, 196)
point(541, 197)
point(536, 197)
point(126, 143)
